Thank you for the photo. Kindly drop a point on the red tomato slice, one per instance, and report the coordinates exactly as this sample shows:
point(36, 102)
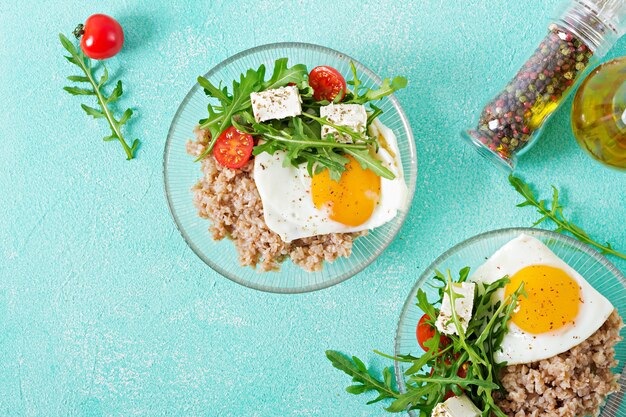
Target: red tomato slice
point(449, 394)
point(425, 332)
point(462, 372)
point(102, 37)
point(233, 148)
point(327, 83)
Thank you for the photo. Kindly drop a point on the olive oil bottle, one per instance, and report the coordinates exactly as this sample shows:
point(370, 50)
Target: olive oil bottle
point(599, 114)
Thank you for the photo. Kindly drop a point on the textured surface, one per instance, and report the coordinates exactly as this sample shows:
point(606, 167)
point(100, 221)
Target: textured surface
point(104, 311)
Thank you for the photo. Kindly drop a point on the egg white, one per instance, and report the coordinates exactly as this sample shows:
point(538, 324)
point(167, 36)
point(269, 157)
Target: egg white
point(519, 346)
point(288, 207)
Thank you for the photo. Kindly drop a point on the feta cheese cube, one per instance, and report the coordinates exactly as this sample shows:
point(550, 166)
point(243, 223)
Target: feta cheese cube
point(463, 306)
point(456, 407)
point(352, 116)
point(276, 104)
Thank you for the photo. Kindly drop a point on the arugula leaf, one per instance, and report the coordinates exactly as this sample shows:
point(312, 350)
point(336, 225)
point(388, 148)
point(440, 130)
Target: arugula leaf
point(362, 377)
point(363, 156)
point(362, 95)
point(367, 161)
point(344, 130)
point(411, 400)
point(373, 115)
point(76, 91)
point(554, 213)
point(295, 137)
point(248, 83)
point(299, 147)
point(219, 93)
point(77, 58)
point(388, 87)
point(435, 373)
point(283, 75)
point(299, 137)
point(239, 101)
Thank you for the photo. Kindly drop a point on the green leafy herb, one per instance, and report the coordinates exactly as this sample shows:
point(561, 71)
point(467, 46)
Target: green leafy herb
point(352, 134)
point(363, 379)
point(104, 112)
point(374, 114)
point(554, 212)
point(299, 137)
point(220, 118)
point(367, 161)
point(301, 147)
point(363, 155)
point(472, 349)
point(283, 75)
point(362, 95)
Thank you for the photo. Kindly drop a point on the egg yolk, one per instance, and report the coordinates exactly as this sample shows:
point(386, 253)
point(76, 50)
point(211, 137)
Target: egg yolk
point(553, 299)
point(352, 199)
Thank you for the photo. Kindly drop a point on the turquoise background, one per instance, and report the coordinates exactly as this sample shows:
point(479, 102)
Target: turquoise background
point(104, 310)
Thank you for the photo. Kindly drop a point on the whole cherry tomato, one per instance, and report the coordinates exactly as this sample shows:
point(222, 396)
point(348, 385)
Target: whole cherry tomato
point(233, 148)
point(101, 36)
point(327, 83)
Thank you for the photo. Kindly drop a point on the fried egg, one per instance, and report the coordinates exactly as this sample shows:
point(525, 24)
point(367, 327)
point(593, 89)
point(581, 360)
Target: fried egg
point(296, 205)
point(561, 309)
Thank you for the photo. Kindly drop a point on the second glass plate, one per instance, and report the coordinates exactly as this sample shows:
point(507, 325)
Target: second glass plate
point(594, 267)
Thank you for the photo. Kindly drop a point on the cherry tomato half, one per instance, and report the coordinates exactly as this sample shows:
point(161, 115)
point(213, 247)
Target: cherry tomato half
point(233, 148)
point(327, 83)
point(102, 36)
point(449, 394)
point(425, 332)
point(462, 372)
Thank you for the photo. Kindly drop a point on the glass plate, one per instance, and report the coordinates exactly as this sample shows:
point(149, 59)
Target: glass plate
point(596, 269)
point(181, 173)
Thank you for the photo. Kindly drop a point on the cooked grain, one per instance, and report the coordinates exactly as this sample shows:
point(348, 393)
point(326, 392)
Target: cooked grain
point(572, 384)
point(229, 198)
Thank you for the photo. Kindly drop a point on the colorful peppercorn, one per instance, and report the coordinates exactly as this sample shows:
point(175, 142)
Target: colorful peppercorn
point(509, 121)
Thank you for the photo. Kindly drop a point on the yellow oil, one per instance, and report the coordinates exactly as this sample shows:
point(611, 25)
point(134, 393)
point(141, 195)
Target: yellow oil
point(540, 112)
point(599, 114)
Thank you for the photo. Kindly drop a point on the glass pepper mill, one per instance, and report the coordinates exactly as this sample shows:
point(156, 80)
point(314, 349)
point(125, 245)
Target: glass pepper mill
point(511, 122)
point(599, 114)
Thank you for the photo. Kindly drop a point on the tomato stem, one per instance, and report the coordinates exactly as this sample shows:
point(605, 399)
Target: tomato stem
point(78, 32)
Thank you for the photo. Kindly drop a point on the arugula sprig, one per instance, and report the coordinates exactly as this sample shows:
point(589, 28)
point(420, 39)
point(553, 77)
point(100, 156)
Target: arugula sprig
point(300, 137)
point(361, 94)
point(363, 155)
point(301, 145)
point(363, 379)
point(220, 117)
point(554, 213)
point(473, 349)
point(77, 58)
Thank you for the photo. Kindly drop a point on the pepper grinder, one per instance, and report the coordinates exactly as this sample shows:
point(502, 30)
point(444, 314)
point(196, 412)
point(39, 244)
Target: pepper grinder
point(512, 121)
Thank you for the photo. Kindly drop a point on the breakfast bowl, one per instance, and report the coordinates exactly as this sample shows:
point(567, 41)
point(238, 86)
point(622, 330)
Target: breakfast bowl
point(480, 251)
point(181, 174)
